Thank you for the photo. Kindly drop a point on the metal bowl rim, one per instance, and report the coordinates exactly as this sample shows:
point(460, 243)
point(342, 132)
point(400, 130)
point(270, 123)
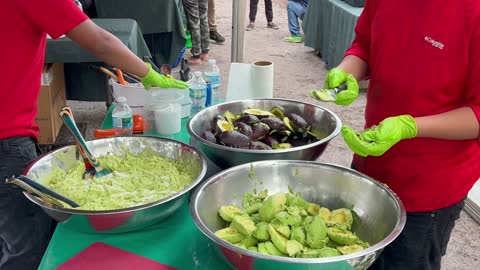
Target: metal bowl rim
point(218, 177)
point(129, 209)
point(293, 149)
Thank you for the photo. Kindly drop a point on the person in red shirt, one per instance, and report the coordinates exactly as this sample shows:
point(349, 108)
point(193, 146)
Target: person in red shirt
point(24, 228)
point(422, 114)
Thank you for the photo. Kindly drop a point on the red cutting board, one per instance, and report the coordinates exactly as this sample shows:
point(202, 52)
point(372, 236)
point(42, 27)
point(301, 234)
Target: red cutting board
point(105, 257)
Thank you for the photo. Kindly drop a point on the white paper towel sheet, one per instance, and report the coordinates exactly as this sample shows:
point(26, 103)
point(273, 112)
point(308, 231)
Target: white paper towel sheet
point(248, 81)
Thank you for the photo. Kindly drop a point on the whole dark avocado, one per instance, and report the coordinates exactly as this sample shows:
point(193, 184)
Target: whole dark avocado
point(258, 145)
point(260, 130)
point(244, 128)
point(208, 135)
point(300, 123)
point(248, 119)
point(270, 141)
point(274, 123)
point(234, 138)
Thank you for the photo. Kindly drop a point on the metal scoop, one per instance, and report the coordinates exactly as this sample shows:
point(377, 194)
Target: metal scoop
point(67, 117)
point(328, 95)
point(48, 196)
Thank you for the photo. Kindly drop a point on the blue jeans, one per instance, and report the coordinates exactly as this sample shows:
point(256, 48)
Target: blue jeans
point(295, 11)
point(25, 229)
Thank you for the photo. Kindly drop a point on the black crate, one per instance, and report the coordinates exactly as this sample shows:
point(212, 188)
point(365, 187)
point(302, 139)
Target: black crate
point(355, 3)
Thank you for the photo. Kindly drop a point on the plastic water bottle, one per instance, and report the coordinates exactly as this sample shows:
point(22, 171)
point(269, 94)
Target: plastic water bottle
point(213, 76)
point(122, 115)
point(198, 90)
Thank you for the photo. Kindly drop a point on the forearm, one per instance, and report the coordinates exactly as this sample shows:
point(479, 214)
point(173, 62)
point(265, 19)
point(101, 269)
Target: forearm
point(459, 124)
point(355, 66)
point(107, 48)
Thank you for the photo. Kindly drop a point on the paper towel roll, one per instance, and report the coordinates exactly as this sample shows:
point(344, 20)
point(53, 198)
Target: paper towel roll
point(262, 79)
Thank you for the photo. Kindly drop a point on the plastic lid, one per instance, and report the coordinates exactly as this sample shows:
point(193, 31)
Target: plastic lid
point(122, 99)
point(197, 74)
point(212, 62)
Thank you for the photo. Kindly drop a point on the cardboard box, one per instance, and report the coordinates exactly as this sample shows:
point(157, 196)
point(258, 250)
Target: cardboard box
point(50, 101)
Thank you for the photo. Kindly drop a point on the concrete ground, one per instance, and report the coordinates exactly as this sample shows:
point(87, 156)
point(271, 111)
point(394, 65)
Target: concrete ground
point(297, 69)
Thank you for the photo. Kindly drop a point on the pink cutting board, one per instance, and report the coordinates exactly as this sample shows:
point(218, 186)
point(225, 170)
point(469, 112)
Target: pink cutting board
point(100, 256)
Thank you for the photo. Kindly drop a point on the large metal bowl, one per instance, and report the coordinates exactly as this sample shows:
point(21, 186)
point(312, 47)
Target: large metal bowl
point(321, 119)
point(379, 214)
point(121, 220)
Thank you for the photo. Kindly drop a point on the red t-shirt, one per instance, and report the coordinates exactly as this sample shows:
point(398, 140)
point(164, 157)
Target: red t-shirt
point(424, 59)
point(22, 52)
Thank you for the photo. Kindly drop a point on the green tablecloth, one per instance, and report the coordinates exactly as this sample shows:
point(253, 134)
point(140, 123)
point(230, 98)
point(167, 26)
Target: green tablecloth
point(329, 27)
point(160, 21)
point(64, 50)
point(83, 83)
point(176, 241)
point(187, 248)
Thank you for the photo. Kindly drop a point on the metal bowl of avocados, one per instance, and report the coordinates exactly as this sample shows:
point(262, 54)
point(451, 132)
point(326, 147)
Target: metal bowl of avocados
point(126, 219)
point(322, 121)
point(379, 215)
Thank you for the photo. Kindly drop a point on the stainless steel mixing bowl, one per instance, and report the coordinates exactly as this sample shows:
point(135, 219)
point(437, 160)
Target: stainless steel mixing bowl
point(121, 220)
point(321, 119)
point(379, 214)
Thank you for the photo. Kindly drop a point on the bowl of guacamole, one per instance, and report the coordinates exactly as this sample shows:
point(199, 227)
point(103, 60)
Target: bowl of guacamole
point(152, 178)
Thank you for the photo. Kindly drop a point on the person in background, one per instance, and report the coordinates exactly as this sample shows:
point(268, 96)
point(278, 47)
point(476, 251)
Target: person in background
point(196, 12)
point(25, 229)
point(296, 10)
point(268, 14)
point(422, 115)
point(212, 23)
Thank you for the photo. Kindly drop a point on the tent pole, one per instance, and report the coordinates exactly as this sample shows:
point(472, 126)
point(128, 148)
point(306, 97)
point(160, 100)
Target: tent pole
point(238, 30)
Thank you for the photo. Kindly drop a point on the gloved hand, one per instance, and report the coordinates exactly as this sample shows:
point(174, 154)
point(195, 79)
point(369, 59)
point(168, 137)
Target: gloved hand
point(376, 140)
point(337, 76)
point(153, 78)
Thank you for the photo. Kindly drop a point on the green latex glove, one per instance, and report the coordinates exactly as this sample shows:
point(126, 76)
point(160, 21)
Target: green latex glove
point(153, 78)
point(376, 140)
point(337, 76)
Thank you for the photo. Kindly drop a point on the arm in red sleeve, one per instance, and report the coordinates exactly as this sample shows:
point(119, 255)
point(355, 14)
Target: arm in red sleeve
point(56, 17)
point(473, 83)
point(361, 44)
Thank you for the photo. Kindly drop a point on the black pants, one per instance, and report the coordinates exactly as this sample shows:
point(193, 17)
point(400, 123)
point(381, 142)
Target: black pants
point(25, 229)
point(268, 10)
point(423, 241)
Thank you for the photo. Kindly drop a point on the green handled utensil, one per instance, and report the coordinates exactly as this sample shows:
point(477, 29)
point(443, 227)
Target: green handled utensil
point(67, 117)
point(328, 95)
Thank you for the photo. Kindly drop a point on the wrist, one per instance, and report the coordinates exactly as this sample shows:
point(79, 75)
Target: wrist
point(148, 72)
point(410, 129)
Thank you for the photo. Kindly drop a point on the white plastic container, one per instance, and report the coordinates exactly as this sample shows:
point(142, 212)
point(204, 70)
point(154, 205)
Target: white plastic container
point(138, 97)
point(164, 113)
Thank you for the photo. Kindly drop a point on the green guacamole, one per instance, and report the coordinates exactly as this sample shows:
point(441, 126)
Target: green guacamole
point(137, 179)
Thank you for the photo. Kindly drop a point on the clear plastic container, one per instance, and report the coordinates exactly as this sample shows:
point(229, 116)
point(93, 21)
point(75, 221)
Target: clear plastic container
point(122, 115)
point(164, 113)
point(213, 76)
point(198, 92)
